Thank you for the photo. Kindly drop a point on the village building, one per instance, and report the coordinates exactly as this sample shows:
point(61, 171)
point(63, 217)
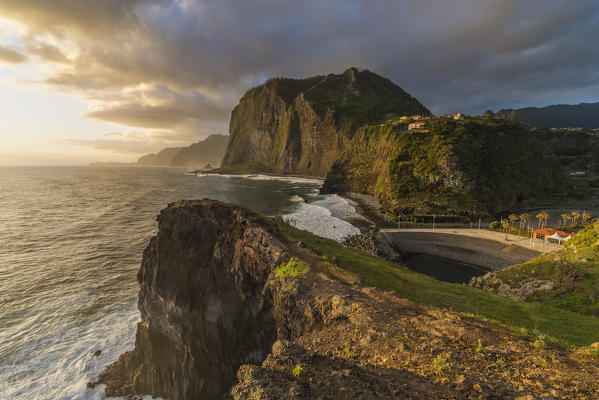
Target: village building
point(552, 235)
point(416, 125)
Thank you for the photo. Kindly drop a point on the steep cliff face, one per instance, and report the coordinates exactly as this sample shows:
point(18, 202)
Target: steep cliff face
point(292, 126)
point(470, 166)
point(201, 303)
point(207, 151)
point(230, 308)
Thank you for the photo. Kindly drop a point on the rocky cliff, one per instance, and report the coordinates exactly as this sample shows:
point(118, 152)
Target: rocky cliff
point(207, 151)
point(301, 126)
point(468, 166)
point(231, 308)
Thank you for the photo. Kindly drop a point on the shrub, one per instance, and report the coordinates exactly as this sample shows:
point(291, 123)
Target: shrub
point(293, 267)
point(298, 371)
point(540, 342)
point(494, 225)
point(479, 347)
point(440, 366)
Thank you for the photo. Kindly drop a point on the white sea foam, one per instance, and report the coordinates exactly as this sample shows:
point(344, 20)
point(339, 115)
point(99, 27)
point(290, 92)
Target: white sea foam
point(261, 177)
point(326, 217)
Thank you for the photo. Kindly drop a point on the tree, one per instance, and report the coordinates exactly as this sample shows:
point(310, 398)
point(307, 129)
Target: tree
point(523, 218)
point(488, 114)
point(542, 217)
point(565, 217)
point(505, 224)
point(545, 218)
point(586, 217)
point(512, 218)
point(575, 216)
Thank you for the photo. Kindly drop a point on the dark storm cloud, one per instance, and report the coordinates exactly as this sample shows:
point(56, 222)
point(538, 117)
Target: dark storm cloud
point(454, 55)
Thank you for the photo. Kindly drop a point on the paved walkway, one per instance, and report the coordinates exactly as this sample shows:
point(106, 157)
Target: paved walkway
point(532, 244)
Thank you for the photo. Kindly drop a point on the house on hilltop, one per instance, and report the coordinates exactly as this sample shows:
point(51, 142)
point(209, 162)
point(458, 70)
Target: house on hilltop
point(416, 125)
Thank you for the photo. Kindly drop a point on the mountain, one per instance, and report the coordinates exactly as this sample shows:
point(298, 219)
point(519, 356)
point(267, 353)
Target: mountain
point(163, 157)
point(209, 151)
point(583, 115)
point(301, 126)
point(468, 166)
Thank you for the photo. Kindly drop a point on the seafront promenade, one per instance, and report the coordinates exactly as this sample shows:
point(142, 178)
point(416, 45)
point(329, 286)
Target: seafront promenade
point(512, 240)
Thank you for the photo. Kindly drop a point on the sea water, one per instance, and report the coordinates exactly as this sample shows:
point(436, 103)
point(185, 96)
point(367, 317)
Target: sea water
point(71, 241)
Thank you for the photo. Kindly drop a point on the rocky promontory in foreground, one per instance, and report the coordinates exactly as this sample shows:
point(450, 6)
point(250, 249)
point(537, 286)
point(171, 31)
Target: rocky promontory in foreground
point(233, 306)
point(301, 126)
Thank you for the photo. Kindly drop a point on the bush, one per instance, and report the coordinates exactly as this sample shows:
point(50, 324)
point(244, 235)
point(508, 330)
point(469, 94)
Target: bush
point(298, 371)
point(440, 366)
point(293, 267)
point(494, 225)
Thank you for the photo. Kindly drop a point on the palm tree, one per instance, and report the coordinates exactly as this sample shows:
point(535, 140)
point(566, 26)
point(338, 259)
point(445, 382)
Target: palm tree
point(565, 217)
point(545, 218)
point(542, 217)
point(523, 218)
point(539, 217)
point(513, 218)
point(575, 215)
point(586, 217)
point(505, 224)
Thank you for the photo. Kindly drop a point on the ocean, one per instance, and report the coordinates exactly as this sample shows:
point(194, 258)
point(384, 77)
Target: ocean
point(71, 241)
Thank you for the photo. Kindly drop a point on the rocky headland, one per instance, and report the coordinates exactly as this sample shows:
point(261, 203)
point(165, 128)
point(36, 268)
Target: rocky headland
point(232, 307)
point(301, 126)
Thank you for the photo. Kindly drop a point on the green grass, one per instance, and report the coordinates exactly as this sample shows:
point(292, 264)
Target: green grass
point(580, 259)
point(567, 328)
point(293, 267)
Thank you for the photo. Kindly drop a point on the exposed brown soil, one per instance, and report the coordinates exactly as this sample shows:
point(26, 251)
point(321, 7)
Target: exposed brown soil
point(373, 345)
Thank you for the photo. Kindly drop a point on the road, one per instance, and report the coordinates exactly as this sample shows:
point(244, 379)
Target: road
point(534, 244)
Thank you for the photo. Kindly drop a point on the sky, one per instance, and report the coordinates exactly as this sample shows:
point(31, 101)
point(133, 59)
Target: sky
point(110, 80)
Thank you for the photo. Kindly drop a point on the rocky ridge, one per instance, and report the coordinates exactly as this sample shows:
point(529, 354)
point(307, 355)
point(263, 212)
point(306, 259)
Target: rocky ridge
point(301, 126)
point(222, 319)
point(373, 243)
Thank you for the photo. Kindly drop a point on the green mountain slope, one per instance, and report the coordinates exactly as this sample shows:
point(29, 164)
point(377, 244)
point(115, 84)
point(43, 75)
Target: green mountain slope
point(301, 126)
point(567, 279)
point(470, 166)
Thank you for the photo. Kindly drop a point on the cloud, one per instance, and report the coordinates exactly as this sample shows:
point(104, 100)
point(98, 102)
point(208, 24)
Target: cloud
point(180, 66)
point(133, 143)
point(11, 56)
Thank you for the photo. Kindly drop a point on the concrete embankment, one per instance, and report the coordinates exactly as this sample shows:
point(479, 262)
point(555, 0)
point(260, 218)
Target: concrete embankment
point(485, 253)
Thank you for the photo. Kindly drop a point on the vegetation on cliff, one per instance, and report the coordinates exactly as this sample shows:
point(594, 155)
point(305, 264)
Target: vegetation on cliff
point(467, 166)
point(301, 126)
point(217, 321)
point(566, 327)
point(566, 279)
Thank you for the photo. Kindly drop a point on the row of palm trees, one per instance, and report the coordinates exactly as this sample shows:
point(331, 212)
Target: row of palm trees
point(542, 218)
point(575, 215)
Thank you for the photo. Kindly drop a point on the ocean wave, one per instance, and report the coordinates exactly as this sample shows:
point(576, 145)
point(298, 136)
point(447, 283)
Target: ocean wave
point(261, 177)
point(326, 217)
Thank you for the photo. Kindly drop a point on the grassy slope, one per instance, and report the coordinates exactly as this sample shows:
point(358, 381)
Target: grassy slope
point(470, 166)
point(574, 271)
point(564, 327)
